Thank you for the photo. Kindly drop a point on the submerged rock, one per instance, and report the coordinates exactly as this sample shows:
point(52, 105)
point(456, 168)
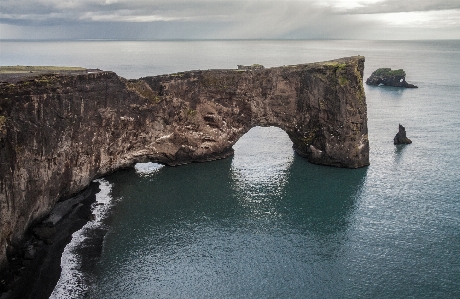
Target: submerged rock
point(388, 77)
point(401, 137)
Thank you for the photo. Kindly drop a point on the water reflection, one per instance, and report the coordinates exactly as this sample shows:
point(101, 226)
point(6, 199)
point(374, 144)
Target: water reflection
point(264, 222)
point(273, 181)
point(399, 153)
point(260, 175)
point(392, 93)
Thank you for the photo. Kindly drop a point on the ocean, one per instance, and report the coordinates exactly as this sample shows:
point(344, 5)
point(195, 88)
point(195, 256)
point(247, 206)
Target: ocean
point(265, 223)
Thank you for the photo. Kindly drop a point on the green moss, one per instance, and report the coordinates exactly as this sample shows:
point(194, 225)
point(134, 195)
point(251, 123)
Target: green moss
point(387, 72)
point(27, 69)
point(342, 81)
point(322, 77)
point(177, 75)
point(336, 64)
point(42, 81)
point(190, 112)
point(144, 90)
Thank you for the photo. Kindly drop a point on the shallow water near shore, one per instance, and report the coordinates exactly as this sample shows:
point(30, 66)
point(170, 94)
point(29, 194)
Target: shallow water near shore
point(265, 223)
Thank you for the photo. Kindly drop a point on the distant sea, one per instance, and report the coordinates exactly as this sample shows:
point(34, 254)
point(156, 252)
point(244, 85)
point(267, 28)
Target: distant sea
point(265, 223)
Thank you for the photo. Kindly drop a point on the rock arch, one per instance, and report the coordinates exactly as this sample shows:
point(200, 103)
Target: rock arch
point(59, 132)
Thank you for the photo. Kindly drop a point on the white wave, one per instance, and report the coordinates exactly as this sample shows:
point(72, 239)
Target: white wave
point(72, 282)
point(147, 168)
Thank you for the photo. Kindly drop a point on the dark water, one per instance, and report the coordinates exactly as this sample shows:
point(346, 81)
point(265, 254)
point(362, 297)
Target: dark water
point(265, 223)
point(255, 226)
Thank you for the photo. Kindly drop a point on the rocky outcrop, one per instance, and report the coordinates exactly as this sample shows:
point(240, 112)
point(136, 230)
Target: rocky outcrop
point(386, 76)
point(401, 137)
point(59, 132)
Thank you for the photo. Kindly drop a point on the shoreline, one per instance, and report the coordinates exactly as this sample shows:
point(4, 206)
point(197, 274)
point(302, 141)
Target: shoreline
point(82, 253)
point(35, 268)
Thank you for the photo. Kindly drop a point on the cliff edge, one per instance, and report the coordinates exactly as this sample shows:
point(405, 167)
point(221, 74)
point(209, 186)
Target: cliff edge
point(58, 132)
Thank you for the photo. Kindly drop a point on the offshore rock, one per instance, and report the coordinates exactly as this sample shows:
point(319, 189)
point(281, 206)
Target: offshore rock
point(401, 137)
point(388, 77)
point(58, 132)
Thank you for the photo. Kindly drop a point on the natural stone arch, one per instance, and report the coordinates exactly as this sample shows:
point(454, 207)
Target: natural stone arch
point(59, 132)
point(320, 106)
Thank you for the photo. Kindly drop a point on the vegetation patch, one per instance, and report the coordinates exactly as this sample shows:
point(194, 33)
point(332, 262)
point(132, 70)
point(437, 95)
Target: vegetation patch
point(387, 72)
point(142, 88)
point(44, 80)
point(336, 64)
point(20, 69)
point(177, 75)
point(190, 112)
point(343, 81)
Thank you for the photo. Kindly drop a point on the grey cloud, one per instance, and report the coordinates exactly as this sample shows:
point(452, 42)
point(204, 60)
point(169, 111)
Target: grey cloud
point(226, 19)
point(169, 19)
point(95, 10)
point(392, 6)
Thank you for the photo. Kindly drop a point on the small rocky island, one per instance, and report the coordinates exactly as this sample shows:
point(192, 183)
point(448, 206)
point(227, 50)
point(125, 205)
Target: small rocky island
point(401, 137)
point(389, 77)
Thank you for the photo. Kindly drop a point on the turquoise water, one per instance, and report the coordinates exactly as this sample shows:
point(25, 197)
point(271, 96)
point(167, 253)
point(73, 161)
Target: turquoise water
point(265, 223)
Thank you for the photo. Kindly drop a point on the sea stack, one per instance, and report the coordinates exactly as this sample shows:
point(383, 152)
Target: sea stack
point(401, 137)
point(388, 77)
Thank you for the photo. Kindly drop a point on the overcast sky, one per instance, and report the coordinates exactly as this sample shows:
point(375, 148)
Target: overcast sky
point(229, 19)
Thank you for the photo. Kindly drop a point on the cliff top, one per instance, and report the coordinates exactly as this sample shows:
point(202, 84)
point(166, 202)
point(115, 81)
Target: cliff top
point(388, 72)
point(12, 74)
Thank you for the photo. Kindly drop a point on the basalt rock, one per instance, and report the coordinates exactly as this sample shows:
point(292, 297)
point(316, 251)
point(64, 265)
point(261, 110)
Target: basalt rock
point(401, 137)
point(388, 77)
point(58, 132)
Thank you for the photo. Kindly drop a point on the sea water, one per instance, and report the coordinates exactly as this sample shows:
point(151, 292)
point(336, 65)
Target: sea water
point(265, 223)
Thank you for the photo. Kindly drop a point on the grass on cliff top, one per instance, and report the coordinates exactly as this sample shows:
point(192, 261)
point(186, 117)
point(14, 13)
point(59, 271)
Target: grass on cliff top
point(20, 69)
point(387, 72)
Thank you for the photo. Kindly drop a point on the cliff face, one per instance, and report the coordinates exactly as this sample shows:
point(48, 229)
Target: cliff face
point(59, 132)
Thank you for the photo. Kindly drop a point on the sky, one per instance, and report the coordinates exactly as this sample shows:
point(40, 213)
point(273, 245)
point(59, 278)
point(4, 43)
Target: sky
point(229, 19)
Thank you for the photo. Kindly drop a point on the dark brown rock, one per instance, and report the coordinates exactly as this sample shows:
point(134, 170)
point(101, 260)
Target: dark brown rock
point(400, 137)
point(58, 132)
point(388, 77)
point(45, 233)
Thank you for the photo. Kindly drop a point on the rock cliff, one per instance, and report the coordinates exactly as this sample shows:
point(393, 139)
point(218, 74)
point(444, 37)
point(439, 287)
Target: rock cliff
point(58, 132)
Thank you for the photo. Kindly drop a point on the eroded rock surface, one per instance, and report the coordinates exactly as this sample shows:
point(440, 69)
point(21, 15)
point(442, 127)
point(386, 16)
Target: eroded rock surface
point(388, 77)
point(59, 132)
point(401, 137)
